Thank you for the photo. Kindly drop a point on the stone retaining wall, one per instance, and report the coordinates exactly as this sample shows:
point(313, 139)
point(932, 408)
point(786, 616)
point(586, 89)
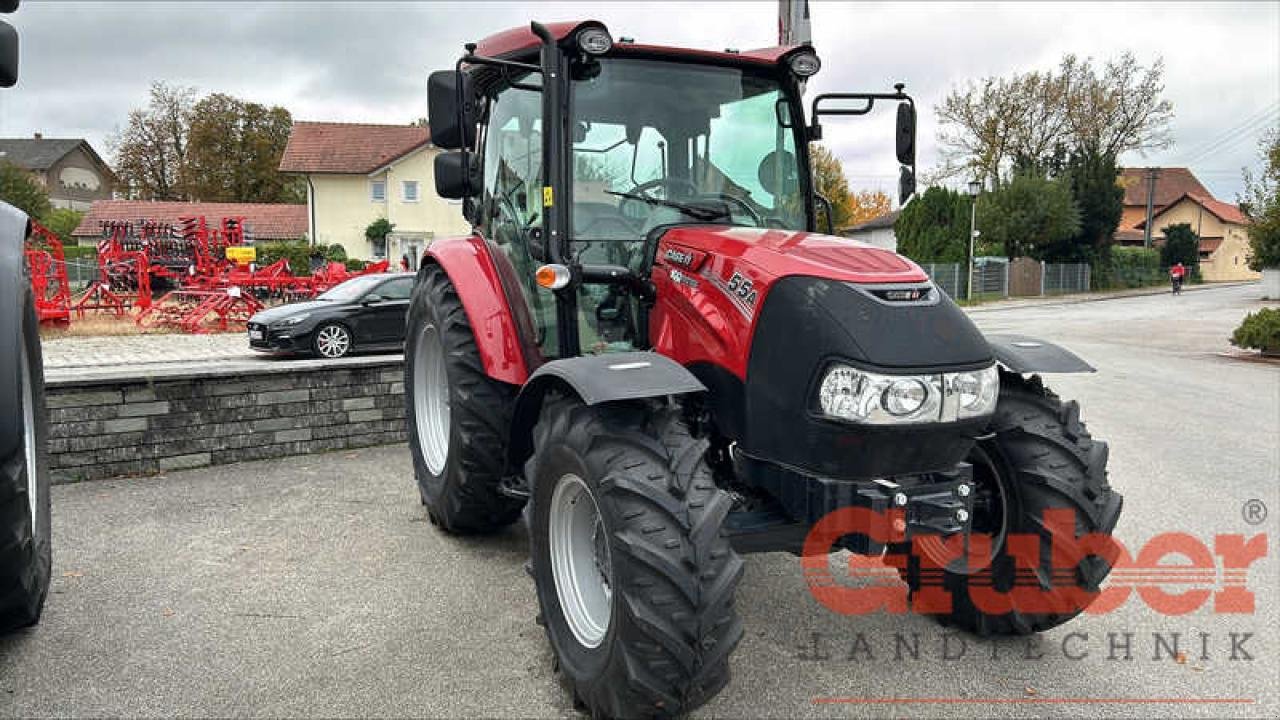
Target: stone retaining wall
point(109, 426)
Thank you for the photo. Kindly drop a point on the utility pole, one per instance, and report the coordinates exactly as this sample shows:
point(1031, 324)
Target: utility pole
point(1152, 175)
point(793, 23)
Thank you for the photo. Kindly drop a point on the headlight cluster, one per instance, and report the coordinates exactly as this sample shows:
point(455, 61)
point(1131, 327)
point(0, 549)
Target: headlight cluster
point(847, 393)
point(290, 321)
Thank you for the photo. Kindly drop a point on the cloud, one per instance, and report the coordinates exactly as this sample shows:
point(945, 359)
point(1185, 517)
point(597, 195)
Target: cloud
point(84, 65)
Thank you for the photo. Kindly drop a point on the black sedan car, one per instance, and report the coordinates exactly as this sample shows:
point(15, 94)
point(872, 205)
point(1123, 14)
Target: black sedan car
point(363, 313)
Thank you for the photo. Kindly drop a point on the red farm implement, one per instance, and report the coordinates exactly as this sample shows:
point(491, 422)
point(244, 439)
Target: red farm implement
point(49, 282)
point(201, 311)
point(189, 266)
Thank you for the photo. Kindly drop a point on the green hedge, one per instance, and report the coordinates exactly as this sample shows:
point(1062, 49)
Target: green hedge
point(1260, 331)
point(299, 254)
point(1129, 267)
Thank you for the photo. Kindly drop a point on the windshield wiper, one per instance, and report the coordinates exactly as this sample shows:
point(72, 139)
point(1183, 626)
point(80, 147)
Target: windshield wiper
point(693, 211)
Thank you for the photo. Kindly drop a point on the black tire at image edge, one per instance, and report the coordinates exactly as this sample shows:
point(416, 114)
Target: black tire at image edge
point(24, 560)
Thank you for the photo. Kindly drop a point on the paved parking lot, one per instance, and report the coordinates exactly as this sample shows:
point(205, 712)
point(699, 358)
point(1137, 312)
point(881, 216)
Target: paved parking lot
point(314, 586)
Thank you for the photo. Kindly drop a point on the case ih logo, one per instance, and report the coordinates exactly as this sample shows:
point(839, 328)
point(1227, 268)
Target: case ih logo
point(679, 257)
point(1202, 575)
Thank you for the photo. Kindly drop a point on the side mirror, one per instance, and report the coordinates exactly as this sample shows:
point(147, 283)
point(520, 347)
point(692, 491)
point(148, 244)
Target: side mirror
point(454, 180)
point(777, 173)
point(452, 126)
point(906, 144)
point(906, 184)
point(371, 299)
point(8, 55)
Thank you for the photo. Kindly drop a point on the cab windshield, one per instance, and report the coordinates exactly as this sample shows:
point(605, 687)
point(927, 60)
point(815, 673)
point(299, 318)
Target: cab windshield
point(658, 143)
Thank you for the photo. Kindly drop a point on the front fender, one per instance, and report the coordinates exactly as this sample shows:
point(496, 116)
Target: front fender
point(1023, 354)
point(485, 283)
point(595, 379)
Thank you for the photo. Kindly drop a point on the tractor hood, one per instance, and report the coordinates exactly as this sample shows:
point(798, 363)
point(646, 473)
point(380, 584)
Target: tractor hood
point(782, 253)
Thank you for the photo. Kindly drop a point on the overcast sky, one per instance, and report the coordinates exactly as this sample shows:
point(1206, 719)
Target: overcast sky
point(84, 65)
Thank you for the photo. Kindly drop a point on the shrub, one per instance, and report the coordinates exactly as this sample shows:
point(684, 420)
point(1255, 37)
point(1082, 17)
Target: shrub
point(62, 222)
point(297, 251)
point(354, 265)
point(1130, 267)
point(335, 253)
point(1260, 331)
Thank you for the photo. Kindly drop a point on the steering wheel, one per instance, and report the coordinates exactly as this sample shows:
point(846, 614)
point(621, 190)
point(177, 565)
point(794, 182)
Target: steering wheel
point(644, 187)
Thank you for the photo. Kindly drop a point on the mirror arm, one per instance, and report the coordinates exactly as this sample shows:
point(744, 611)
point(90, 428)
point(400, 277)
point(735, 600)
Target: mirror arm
point(831, 213)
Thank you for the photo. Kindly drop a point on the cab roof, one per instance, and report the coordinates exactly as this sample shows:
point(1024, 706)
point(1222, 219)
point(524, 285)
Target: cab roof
point(521, 41)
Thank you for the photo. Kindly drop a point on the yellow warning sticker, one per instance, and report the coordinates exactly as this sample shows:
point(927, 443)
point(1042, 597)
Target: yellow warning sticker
point(548, 197)
point(242, 254)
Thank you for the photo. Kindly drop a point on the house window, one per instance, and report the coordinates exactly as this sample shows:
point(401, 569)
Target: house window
point(409, 190)
point(378, 190)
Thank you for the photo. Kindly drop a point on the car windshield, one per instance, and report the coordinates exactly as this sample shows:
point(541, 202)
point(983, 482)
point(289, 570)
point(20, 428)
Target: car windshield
point(657, 143)
point(351, 289)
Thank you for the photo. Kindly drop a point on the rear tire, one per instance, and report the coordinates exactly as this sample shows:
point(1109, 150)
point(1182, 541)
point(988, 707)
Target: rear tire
point(25, 547)
point(458, 417)
point(662, 643)
point(1040, 457)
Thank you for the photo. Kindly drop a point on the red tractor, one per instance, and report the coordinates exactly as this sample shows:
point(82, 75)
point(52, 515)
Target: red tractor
point(646, 347)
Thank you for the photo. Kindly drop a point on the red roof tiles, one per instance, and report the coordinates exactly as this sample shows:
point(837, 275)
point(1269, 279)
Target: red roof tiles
point(267, 221)
point(1172, 184)
point(325, 147)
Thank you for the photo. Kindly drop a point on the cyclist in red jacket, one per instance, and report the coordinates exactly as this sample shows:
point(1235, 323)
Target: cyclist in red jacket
point(1177, 273)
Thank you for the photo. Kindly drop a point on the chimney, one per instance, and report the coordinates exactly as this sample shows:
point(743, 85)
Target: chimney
point(39, 136)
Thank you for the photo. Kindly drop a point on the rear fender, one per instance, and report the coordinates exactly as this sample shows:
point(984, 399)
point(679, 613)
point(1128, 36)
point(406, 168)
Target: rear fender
point(1023, 354)
point(594, 379)
point(485, 282)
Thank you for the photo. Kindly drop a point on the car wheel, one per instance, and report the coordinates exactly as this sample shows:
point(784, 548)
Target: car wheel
point(332, 341)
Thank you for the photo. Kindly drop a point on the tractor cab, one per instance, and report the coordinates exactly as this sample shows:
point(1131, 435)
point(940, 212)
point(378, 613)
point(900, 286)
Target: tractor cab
point(574, 153)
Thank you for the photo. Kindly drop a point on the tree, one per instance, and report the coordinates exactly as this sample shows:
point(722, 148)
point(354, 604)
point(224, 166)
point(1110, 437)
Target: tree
point(985, 126)
point(934, 227)
point(830, 182)
point(869, 205)
point(234, 149)
point(20, 189)
point(1092, 178)
point(1261, 203)
point(1120, 110)
point(1027, 214)
point(62, 222)
point(1181, 245)
point(151, 151)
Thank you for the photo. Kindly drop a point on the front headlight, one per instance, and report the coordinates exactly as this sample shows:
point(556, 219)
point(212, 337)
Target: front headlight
point(291, 321)
point(848, 393)
point(976, 392)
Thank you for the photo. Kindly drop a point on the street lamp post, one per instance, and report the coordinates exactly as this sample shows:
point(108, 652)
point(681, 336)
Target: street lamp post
point(975, 187)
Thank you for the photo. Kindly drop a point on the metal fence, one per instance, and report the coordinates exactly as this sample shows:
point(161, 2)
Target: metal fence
point(949, 277)
point(1060, 278)
point(991, 278)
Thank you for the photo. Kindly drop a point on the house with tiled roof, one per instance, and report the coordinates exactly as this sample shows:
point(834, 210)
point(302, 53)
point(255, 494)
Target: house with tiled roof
point(263, 221)
point(71, 171)
point(356, 173)
point(1171, 184)
point(1222, 229)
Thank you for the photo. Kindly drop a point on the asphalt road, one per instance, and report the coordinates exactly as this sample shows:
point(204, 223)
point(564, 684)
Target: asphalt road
point(314, 586)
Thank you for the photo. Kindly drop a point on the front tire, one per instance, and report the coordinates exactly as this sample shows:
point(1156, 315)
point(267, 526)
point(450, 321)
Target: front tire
point(652, 634)
point(1039, 457)
point(25, 542)
point(458, 417)
point(332, 341)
